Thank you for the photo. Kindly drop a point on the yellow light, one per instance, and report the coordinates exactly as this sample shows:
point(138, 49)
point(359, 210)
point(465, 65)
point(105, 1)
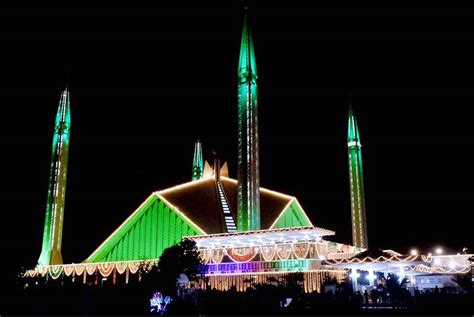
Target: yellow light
point(262, 189)
point(439, 251)
point(414, 252)
point(276, 272)
point(184, 185)
point(369, 259)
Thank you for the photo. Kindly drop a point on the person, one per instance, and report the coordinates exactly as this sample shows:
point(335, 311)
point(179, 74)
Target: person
point(374, 295)
point(366, 296)
point(358, 298)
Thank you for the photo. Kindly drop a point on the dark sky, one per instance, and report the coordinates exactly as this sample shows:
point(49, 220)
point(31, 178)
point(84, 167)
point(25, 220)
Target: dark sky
point(145, 83)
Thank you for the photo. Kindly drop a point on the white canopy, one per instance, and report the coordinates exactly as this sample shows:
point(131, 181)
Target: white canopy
point(261, 237)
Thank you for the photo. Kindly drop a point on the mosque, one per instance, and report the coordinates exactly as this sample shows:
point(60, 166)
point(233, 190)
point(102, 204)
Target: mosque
point(244, 232)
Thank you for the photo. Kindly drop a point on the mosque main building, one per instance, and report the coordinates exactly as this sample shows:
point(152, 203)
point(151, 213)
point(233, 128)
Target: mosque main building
point(243, 231)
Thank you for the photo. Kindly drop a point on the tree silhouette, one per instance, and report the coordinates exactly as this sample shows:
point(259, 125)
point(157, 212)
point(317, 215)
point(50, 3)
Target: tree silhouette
point(464, 281)
point(180, 258)
point(396, 288)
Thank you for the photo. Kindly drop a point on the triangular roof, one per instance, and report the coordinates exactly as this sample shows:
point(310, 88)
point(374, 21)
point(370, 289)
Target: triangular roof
point(198, 200)
point(189, 209)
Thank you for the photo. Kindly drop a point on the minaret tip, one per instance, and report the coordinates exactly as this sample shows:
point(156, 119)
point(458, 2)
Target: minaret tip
point(353, 131)
point(198, 162)
point(349, 106)
point(247, 69)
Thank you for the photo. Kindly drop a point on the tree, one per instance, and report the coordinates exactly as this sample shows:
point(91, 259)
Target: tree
point(179, 258)
point(396, 288)
point(330, 280)
point(464, 281)
point(294, 283)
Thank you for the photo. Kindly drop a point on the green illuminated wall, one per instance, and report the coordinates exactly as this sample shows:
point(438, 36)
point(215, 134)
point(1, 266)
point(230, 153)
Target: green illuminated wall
point(154, 227)
point(359, 224)
point(198, 162)
point(292, 216)
point(54, 216)
point(248, 197)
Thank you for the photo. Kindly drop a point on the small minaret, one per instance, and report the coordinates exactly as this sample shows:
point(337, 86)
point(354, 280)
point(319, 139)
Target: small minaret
point(53, 225)
point(198, 163)
point(248, 198)
point(359, 223)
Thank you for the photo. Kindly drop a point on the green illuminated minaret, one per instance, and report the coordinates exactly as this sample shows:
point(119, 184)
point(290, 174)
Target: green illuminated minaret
point(198, 163)
point(359, 224)
point(53, 226)
point(248, 199)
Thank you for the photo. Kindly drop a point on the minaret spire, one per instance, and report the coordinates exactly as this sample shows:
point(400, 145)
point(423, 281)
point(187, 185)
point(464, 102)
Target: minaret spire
point(198, 163)
point(53, 226)
point(359, 223)
point(248, 199)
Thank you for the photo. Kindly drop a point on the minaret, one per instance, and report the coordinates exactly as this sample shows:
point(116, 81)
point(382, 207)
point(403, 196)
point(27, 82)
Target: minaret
point(359, 223)
point(53, 226)
point(198, 164)
point(248, 199)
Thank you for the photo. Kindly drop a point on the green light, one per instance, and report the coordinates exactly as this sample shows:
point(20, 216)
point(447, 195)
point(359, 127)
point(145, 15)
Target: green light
point(248, 197)
point(151, 229)
point(292, 216)
point(359, 224)
point(198, 162)
point(353, 130)
point(54, 218)
point(247, 62)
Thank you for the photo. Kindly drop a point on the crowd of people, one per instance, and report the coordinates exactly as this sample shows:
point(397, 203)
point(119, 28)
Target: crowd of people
point(74, 297)
point(271, 299)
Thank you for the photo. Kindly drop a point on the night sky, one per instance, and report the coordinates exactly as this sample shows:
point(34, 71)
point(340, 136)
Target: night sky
point(145, 83)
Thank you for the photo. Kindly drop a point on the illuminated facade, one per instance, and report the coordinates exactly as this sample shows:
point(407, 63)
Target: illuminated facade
point(234, 259)
point(421, 271)
point(248, 200)
point(53, 224)
point(244, 233)
point(359, 223)
point(195, 208)
point(198, 163)
point(198, 210)
point(212, 203)
point(241, 230)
